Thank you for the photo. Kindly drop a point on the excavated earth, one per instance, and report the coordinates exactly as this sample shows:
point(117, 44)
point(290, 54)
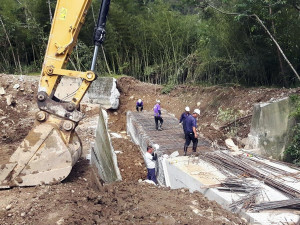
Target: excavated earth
point(80, 199)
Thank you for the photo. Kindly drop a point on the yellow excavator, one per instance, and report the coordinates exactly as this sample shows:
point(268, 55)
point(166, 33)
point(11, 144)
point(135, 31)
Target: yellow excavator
point(52, 147)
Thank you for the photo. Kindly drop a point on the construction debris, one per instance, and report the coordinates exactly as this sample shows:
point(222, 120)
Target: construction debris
point(288, 204)
point(241, 166)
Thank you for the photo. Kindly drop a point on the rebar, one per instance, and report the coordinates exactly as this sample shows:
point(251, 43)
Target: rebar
point(238, 165)
point(289, 203)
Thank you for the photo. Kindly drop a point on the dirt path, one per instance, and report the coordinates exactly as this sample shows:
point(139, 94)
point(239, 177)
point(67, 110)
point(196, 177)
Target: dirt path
point(78, 200)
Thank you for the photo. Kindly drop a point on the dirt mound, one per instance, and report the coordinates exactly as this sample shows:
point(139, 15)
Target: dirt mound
point(17, 108)
point(78, 200)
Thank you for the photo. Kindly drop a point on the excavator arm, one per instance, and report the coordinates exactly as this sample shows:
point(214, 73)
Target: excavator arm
point(52, 147)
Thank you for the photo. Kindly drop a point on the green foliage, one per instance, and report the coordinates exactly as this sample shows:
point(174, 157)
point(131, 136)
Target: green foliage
point(292, 152)
point(295, 102)
point(167, 88)
point(165, 42)
point(227, 114)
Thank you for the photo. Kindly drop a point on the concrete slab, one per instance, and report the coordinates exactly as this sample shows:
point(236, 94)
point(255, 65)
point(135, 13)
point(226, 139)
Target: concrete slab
point(103, 156)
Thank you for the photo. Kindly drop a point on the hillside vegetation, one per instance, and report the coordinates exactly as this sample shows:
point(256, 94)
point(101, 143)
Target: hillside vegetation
point(167, 42)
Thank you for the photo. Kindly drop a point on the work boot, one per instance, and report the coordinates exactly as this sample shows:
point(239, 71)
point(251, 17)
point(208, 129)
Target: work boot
point(185, 150)
point(159, 127)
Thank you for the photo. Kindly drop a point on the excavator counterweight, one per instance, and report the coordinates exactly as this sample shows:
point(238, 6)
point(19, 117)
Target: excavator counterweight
point(52, 147)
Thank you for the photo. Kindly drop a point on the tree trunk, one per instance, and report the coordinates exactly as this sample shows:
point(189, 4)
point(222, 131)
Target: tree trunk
point(278, 53)
point(50, 13)
point(7, 37)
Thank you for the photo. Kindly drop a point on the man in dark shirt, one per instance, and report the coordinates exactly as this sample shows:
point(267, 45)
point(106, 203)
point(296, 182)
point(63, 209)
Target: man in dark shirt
point(183, 117)
point(139, 105)
point(191, 133)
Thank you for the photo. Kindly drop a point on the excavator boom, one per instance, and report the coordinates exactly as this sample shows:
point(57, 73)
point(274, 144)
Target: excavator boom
point(52, 147)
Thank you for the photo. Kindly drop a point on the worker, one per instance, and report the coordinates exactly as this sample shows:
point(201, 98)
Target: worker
point(157, 116)
point(191, 133)
point(139, 105)
point(150, 158)
point(184, 115)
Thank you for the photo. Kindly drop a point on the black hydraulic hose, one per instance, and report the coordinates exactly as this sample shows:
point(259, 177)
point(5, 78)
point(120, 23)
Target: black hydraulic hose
point(99, 33)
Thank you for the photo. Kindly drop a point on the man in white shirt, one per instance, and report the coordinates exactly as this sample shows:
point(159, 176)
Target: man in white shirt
point(150, 158)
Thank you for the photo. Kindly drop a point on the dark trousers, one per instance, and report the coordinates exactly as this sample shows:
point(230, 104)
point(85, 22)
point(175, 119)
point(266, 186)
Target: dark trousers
point(139, 107)
point(190, 137)
point(158, 118)
point(151, 175)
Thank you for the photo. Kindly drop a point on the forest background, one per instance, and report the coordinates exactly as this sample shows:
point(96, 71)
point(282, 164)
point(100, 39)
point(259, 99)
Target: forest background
point(167, 42)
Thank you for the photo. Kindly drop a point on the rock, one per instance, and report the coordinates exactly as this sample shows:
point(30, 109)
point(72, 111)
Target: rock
point(167, 220)
point(8, 99)
point(9, 215)
point(115, 113)
point(60, 221)
point(131, 97)
point(8, 207)
point(16, 86)
point(198, 104)
point(230, 144)
point(2, 91)
point(23, 214)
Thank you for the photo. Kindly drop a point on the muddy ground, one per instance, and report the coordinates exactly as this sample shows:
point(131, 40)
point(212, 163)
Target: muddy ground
point(79, 200)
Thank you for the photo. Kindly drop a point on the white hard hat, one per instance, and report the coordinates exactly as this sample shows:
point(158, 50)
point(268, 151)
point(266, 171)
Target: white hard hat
point(140, 100)
point(156, 146)
point(187, 109)
point(157, 101)
point(197, 111)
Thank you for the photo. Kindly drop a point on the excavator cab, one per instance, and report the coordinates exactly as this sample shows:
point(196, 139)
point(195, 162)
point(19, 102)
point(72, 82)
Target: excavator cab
point(52, 147)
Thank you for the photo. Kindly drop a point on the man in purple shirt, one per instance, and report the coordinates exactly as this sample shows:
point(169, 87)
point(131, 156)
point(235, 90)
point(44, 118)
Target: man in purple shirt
point(139, 105)
point(157, 115)
point(190, 132)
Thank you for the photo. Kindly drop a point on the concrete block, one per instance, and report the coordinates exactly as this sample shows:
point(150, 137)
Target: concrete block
point(102, 91)
point(270, 128)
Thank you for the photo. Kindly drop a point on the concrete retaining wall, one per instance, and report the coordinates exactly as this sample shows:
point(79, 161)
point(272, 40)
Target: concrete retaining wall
point(270, 128)
point(103, 156)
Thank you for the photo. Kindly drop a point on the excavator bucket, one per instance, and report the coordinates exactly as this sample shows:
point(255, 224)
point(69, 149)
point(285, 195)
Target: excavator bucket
point(42, 158)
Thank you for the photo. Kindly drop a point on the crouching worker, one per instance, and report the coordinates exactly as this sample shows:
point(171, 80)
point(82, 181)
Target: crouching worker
point(139, 105)
point(150, 158)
